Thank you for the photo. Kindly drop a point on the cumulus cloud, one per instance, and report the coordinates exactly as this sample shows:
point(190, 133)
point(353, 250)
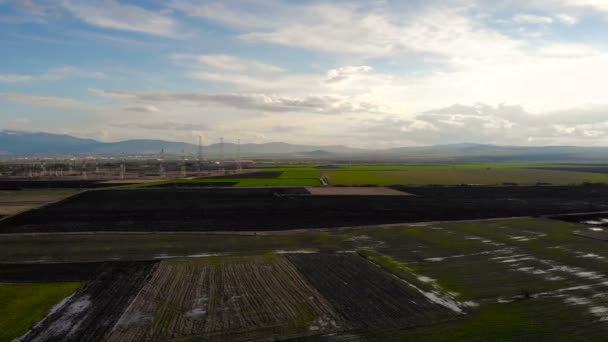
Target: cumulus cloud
point(502, 124)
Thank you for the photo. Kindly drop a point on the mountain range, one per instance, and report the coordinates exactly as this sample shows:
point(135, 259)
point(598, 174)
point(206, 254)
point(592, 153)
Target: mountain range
point(17, 143)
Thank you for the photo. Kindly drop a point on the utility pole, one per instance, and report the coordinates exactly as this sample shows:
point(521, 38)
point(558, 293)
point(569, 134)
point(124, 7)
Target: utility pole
point(200, 154)
point(183, 164)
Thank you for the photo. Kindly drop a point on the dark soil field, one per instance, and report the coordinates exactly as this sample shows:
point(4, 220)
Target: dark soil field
point(366, 295)
point(265, 209)
point(595, 219)
point(92, 311)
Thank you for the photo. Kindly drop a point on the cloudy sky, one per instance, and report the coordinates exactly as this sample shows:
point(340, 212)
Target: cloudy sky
point(361, 73)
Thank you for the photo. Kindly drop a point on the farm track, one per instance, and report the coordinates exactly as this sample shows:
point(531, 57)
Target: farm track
point(92, 311)
point(286, 208)
point(367, 296)
point(236, 299)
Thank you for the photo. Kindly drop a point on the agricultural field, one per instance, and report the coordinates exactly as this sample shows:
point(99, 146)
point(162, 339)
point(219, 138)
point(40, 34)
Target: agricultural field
point(23, 305)
point(91, 313)
point(509, 279)
point(369, 297)
point(13, 202)
point(267, 209)
point(456, 174)
point(227, 299)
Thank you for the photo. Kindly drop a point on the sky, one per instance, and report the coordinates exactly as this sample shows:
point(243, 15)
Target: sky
point(371, 74)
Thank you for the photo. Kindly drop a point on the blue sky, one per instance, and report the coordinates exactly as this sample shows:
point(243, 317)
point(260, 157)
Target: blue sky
point(360, 73)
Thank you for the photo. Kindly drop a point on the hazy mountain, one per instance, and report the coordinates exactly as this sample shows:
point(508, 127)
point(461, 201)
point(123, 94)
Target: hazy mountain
point(25, 143)
point(13, 143)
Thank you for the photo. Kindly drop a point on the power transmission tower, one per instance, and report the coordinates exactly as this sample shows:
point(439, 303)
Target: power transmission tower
point(238, 156)
point(183, 164)
point(161, 168)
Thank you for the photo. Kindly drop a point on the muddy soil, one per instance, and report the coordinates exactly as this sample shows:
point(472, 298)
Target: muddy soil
point(366, 295)
point(91, 313)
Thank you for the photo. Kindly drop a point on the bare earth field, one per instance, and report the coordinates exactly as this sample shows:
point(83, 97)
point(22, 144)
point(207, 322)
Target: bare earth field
point(227, 299)
point(13, 202)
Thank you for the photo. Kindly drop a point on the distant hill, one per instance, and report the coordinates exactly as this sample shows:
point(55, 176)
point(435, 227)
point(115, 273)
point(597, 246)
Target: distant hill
point(29, 144)
point(15, 143)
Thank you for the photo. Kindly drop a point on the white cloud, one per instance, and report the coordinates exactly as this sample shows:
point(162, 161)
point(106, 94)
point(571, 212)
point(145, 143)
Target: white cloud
point(43, 101)
point(13, 78)
point(244, 14)
point(567, 19)
point(143, 109)
point(55, 74)
point(230, 63)
point(343, 73)
point(333, 104)
point(114, 15)
point(532, 19)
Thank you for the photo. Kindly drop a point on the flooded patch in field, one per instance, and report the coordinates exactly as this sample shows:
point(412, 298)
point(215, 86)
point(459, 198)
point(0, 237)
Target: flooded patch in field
point(425, 279)
point(598, 221)
point(577, 300)
point(297, 251)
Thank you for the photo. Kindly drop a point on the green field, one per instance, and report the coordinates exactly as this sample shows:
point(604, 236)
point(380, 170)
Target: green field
point(22, 305)
point(454, 174)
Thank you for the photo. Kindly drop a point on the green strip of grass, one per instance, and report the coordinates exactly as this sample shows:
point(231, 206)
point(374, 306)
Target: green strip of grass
point(279, 182)
point(23, 305)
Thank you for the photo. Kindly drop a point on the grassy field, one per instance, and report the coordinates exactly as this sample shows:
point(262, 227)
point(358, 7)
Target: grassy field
point(454, 174)
point(463, 176)
point(22, 305)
